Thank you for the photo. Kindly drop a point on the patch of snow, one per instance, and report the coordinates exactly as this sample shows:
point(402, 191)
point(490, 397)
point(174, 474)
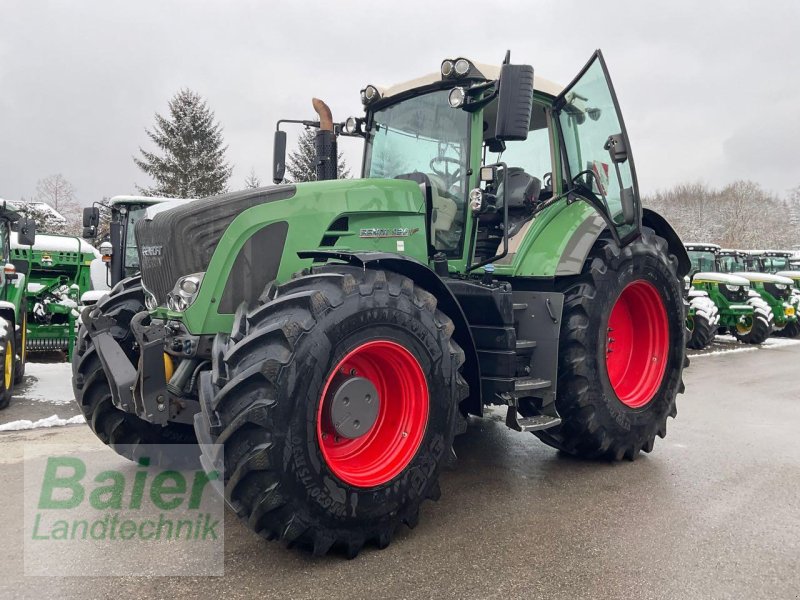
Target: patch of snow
point(35, 287)
point(49, 382)
point(98, 272)
point(51, 421)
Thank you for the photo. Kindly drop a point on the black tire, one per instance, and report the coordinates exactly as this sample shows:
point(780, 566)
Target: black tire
point(123, 431)
point(702, 324)
point(595, 422)
point(792, 330)
point(264, 391)
point(19, 369)
point(8, 344)
point(761, 326)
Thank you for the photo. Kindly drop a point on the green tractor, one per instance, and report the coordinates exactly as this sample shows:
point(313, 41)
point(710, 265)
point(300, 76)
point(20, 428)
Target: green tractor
point(778, 262)
point(12, 301)
point(332, 337)
point(735, 309)
point(59, 279)
point(774, 290)
point(119, 253)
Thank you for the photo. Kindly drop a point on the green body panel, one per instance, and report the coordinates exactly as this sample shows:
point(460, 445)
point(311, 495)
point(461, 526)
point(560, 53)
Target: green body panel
point(783, 311)
point(14, 293)
point(546, 243)
point(730, 314)
point(367, 203)
point(56, 280)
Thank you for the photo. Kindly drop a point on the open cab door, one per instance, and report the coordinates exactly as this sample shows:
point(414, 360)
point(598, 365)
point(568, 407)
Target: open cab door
point(597, 150)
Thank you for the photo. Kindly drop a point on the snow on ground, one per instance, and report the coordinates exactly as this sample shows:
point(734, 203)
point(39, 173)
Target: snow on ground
point(48, 382)
point(727, 344)
point(51, 421)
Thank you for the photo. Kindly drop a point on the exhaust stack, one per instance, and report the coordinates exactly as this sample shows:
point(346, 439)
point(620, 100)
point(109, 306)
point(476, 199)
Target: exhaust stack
point(325, 143)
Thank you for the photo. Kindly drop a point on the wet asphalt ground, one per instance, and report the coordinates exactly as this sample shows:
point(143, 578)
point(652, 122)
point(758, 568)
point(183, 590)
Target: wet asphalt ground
point(713, 512)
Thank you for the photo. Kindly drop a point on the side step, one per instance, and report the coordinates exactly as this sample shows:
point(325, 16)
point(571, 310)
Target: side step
point(535, 423)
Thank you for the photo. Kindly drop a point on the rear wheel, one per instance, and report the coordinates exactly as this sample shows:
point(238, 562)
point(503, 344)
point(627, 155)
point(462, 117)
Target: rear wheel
point(702, 323)
point(755, 328)
point(621, 352)
point(792, 330)
point(121, 430)
point(336, 403)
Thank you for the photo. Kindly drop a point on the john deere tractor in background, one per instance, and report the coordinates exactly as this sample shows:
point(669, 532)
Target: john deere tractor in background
point(119, 250)
point(12, 302)
point(59, 276)
point(333, 336)
point(736, 309)
point(774, 290)
point(778, 262)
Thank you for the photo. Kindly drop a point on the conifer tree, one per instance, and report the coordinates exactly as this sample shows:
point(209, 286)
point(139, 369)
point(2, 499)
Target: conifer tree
point(191, 162)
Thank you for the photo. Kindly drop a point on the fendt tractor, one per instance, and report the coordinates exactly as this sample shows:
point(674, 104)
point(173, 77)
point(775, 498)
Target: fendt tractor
point(332, 337)
point(778, 262)
point(119, 252)
point(12, 301)
point(774, 290)
point(59, 276)
point(736, 308)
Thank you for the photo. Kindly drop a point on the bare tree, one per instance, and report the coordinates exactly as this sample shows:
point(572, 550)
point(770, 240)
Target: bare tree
point(252, 181)
point(59, 194)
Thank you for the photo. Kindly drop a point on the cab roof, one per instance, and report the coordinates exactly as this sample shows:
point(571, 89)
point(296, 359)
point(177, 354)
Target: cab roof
point(122, 200)
point(489, 72)
point(702, 246)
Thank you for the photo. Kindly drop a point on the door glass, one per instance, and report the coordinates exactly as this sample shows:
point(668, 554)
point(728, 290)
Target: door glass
point(588, 115)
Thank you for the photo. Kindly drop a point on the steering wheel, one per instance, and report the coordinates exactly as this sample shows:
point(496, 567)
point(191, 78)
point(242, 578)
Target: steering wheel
point(447, 160)
point(547, 181)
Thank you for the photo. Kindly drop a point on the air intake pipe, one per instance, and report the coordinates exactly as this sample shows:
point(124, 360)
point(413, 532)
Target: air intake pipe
point(325, 143)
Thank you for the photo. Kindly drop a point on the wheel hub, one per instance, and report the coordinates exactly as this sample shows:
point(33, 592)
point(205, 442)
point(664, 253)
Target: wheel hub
point(354, 407)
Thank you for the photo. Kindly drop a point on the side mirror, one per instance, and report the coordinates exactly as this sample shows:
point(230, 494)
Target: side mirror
point(618, 152)
point(91, 220)
point(279, 157)
point(514, 103)
point(26, 235)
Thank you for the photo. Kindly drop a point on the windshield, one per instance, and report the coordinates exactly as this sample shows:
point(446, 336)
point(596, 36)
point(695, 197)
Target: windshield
point(773, 264)
point(131, 255)
point(731, 264)
point(702, 261)
point(424, 135)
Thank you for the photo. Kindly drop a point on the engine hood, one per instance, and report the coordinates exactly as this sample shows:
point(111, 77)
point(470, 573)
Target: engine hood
point(766, 278)
point(712, 277)
point(790, 274)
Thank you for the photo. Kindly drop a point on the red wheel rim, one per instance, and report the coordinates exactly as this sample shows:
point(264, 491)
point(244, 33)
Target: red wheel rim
point(637, 345)
point(388, 446)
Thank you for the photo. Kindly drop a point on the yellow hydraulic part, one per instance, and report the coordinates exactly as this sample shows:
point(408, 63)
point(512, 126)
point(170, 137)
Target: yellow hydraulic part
point(8, 366)
point(789, 311)
point(169, 367)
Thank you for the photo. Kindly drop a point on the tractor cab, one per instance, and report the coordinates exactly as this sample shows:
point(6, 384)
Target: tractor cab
point(118, 246)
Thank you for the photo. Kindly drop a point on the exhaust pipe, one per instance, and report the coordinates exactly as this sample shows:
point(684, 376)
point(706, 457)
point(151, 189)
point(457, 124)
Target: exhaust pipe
point(325, 143)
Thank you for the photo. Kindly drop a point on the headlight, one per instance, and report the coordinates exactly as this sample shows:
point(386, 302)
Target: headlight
point(456, 97)
point(781, 286)
point(184, 292)
point(732, 288)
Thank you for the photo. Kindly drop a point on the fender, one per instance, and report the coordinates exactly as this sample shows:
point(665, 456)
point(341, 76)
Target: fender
point(446, 302)
point(661, 226)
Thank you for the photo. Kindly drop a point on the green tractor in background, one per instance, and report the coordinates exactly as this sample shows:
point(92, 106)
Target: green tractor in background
point(778, 262)
point(333, 337)
point(735, 308)
point(13, 301)
point(774, 290)
point(59, 279)
point(119, 251)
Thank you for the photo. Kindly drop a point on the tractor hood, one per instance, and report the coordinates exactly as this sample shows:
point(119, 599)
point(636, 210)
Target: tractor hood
point(765, 278)
point(795, 275)
point(712, 277)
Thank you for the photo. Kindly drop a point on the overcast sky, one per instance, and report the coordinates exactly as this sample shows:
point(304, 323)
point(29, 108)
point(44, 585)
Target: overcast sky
point(710, 90)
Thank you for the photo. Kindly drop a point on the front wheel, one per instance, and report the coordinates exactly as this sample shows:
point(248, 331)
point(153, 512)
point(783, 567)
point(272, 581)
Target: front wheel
point(755, 328)
point(336, 403)
point(702, 322)
point(9, 364)
point(621, 351)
